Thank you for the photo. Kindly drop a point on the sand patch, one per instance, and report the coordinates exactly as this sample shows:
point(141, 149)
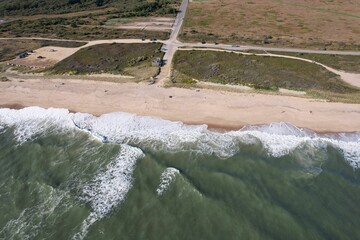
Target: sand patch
point(148, 24)
point(44, 57)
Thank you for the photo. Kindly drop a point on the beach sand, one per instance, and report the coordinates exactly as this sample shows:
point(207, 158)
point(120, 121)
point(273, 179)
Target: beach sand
point(218, 109)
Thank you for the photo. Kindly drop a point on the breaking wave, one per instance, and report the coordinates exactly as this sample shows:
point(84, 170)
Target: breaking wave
point(166, 179)
point(278, 139)
point(109, 187)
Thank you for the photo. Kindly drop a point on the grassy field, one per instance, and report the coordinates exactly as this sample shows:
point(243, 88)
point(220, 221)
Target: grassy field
point(80, 21)
point(263, 73)
point(314, 24)
point(126, 59)
point(339, 62)
point(10, 48)
point(133, 7)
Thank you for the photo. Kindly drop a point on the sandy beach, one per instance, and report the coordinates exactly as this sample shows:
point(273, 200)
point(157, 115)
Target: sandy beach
point(218, 109)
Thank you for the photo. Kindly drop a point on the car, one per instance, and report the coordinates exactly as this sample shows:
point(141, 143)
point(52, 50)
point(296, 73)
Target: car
point(234, 45)
point(216, 43)
point(203, 42)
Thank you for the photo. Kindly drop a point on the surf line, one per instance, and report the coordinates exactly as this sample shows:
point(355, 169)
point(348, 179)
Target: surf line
point(96, 135)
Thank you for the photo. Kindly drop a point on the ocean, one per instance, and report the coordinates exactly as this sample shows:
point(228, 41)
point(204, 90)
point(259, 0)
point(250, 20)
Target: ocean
point(121, 176)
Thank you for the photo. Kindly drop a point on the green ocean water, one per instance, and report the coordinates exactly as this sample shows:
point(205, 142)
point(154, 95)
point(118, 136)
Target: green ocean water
point(305, 194)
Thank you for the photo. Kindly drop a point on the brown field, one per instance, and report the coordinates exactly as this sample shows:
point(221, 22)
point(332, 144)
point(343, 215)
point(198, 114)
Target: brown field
point(316, 24)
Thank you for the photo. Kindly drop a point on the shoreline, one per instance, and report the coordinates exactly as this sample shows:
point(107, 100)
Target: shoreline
point(210, 126)
point(220, 110)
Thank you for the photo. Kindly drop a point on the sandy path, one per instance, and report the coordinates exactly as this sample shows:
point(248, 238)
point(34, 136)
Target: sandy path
point(215, 108)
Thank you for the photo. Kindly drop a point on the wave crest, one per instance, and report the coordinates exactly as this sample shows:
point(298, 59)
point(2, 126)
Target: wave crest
point(278, 139)
point(109, 187)
point(167, 177)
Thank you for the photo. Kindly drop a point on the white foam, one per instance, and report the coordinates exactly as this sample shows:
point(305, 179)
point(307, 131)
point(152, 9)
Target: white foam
point(32, 121)
point(109, 187)
point(278, 139)
point(167, 177)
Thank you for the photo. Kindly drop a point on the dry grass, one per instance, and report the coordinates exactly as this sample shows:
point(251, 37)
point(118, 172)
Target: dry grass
point(297, 23)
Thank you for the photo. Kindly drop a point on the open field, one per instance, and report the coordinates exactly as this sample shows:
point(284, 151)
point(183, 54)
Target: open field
point(125, 59)
point(263, 73)
point(10, 48)
point(147, 24)
point(300, 23)
point(80, 21)
point(71, 29)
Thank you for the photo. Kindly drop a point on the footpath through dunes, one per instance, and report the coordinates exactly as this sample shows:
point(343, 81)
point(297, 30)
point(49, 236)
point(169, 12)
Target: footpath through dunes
point(216, 108)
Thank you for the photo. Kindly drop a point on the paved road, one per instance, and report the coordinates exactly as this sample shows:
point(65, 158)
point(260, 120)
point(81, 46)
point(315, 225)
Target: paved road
point(172, 44)
point(179, 20)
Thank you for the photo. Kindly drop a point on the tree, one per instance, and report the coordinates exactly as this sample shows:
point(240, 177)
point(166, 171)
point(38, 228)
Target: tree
point(99, 3)
point(74, 2)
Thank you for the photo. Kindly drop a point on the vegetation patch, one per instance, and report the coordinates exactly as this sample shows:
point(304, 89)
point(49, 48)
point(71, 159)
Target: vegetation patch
point(75, 29)
point(127, 59)
point(9, 49)
point(141, 7)
point(345, 63)
point(4, 79)
point(79, 19)
point(264, 73)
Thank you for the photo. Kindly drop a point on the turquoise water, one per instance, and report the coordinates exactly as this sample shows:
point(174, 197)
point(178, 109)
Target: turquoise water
point(156, 179)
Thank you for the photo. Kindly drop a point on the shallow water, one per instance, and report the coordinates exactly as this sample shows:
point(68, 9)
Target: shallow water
point(157, 179)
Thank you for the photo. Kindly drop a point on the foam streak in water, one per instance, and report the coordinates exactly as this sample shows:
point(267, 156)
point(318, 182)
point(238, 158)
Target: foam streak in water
point(109, 187)
point(167, 177)
point(30, 221)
